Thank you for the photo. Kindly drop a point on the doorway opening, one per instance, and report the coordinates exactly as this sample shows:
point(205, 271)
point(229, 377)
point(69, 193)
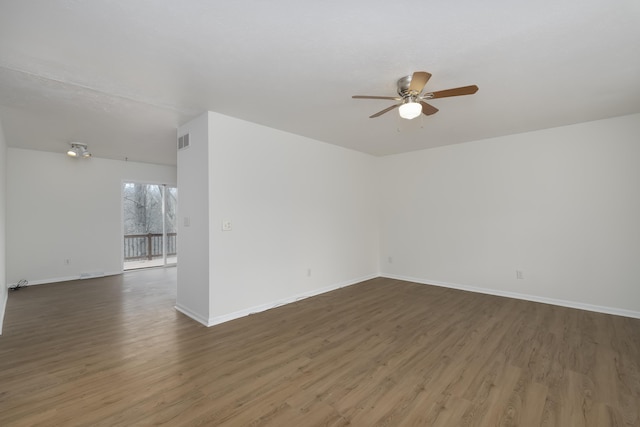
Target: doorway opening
point(149, 224)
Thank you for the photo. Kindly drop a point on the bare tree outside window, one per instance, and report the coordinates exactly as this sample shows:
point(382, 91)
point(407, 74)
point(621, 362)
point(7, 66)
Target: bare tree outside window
point(146, 224)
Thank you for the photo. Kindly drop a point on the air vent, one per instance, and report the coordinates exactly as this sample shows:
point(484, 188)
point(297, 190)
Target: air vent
point(183, 142)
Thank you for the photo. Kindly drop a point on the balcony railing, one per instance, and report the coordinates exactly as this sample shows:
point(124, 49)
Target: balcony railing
point(147, 246)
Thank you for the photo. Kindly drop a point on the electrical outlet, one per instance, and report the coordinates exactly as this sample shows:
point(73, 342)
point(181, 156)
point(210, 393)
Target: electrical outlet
point(390, 259)
point(226, 225)
point(519, 274)
point(308, 272)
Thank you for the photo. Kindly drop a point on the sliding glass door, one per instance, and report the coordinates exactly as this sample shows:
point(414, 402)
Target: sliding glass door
point(149, 216)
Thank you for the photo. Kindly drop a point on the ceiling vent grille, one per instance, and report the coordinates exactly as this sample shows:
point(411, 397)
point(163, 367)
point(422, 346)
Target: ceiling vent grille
point(183, 142)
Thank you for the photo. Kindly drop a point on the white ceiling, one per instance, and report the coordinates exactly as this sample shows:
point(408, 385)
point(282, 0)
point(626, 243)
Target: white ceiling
point(122, 75)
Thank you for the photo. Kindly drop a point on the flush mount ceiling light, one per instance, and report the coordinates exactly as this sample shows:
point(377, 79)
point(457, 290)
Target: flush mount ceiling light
point(78, 150)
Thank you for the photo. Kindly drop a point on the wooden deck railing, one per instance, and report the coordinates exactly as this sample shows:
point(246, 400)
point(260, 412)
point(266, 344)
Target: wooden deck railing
point(147, 246)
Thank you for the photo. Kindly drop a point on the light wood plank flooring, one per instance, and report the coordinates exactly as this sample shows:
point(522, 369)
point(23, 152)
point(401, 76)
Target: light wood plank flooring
point(114, 352)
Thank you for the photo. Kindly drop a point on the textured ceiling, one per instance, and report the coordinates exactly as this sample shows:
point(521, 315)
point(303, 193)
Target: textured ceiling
point(121, 76)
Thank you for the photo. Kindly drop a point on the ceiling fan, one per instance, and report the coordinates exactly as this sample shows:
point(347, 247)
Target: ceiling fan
point(412, 100)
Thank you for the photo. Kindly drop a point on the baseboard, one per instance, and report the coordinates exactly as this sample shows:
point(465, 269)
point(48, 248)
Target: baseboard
point(189, 313)
point(526, 297)
point(263, 307)
point(3, 306)
point(82, 276)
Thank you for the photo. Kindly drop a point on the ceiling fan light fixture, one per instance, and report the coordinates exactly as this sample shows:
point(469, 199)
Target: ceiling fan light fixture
point(410, 110)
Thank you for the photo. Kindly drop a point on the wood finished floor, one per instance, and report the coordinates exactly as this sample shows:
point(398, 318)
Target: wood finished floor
point(114, 352)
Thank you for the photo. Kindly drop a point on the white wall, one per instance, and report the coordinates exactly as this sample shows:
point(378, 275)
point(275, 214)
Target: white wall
point(296, 205)
point(3, 195)
point(193, 204)
point(561, 205)
point(302, 212)
point(62, 208)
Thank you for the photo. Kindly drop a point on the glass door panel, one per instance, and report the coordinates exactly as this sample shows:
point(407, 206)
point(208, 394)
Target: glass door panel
point(149, 213)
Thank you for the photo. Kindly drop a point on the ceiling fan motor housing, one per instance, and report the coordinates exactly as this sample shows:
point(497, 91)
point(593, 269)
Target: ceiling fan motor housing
point(403, 85)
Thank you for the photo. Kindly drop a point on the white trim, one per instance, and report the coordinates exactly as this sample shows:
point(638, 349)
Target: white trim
point(526, 297)
point(65, 279)
point(3, 307)
point(195, 316)
point(263, 307)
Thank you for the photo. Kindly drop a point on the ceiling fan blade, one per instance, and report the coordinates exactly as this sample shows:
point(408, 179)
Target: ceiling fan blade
point(465, 90)
point(418, 81)
point(379, 113)
point(393, 98)
point(427, 109)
